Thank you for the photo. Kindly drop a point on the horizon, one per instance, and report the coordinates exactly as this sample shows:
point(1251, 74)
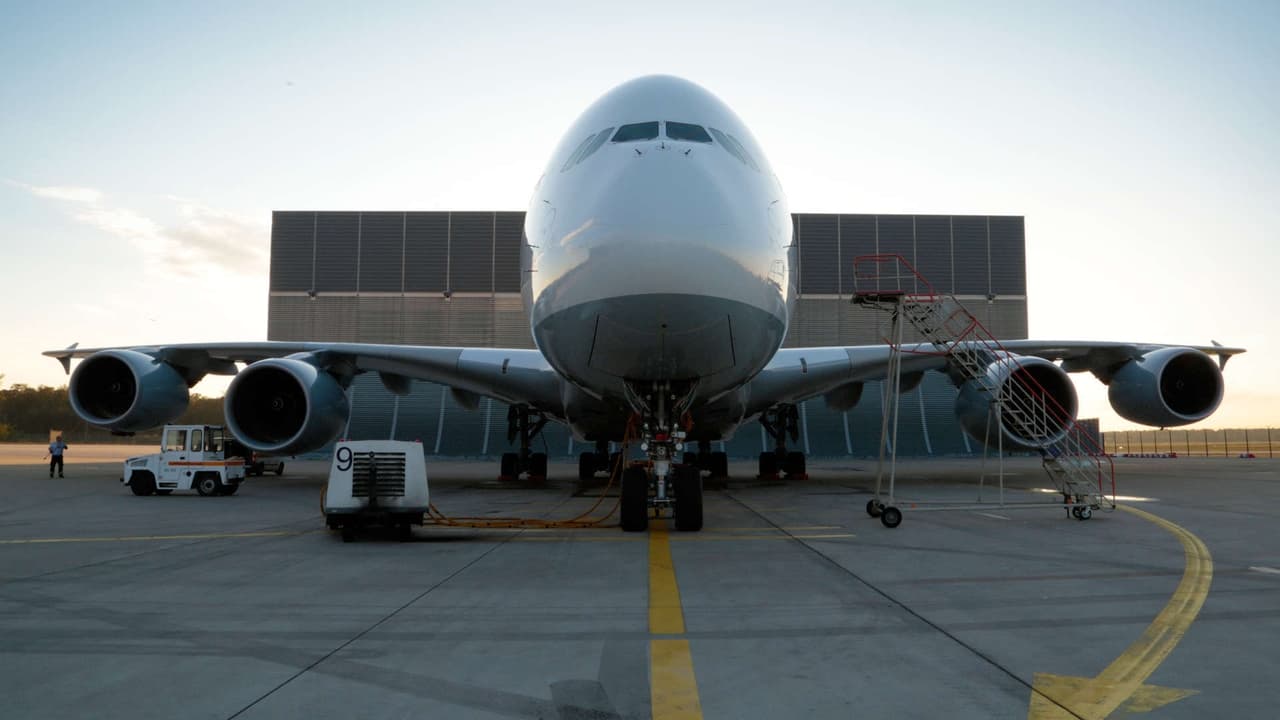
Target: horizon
point(151, 147)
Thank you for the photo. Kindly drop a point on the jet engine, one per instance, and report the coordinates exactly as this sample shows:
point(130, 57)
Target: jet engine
point(285, 406)
point(127, 391)
point(1024, 382)
point(1167, 387)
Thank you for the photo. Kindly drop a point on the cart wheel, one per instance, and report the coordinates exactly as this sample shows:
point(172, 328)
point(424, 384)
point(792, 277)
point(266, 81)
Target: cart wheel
point(874, 507)
point(1085, 513)
point(208, 485)
point(348, 533)
point(891, 517)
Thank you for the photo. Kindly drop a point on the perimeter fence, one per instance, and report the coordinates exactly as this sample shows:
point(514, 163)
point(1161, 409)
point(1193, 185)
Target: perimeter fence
point(1259, 442)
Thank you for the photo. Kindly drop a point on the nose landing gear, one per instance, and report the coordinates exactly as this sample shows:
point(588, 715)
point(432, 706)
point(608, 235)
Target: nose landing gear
point(665, 483)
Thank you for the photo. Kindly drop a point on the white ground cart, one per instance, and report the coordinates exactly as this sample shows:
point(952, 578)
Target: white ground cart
point(376, 482)
point(191, 456)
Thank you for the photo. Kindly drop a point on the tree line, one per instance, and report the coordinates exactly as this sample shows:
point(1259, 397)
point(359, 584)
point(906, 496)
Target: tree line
point(27, 414)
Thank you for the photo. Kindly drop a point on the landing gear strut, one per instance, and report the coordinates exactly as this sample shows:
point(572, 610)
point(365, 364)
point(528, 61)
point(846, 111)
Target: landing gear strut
point(590, 463)
point(669, 484)
point(526, 425)
point(781, 422)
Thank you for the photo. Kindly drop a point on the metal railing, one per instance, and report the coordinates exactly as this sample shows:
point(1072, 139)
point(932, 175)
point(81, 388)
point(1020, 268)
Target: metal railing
point(1073, 459)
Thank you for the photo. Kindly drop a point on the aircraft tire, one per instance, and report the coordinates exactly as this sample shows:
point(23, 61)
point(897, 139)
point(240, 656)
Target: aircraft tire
point(719, 465)
point(509, 468)
point(586, 467)
point(635, 500)
point(538, 466)
point(795, 464)
point(688, 499)
point(768, 465)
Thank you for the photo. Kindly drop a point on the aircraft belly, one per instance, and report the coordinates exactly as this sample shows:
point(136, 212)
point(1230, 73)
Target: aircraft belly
point(660, 336)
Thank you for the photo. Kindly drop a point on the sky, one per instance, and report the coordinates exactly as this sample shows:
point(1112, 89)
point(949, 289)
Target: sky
point(144, 145)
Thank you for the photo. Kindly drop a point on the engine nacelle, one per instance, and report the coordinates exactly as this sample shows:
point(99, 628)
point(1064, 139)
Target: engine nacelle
point(1027, 377)
point(285, 406)
point(126, 391)
point(1167, 387)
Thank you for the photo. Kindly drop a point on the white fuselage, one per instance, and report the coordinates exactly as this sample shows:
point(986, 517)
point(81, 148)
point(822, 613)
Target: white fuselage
point(661, 258)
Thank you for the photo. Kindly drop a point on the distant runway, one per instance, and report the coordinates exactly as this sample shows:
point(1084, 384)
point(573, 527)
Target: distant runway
point(792, 602)
point(29, 453)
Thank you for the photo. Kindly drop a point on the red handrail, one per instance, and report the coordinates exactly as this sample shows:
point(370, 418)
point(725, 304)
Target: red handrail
point(924, 292)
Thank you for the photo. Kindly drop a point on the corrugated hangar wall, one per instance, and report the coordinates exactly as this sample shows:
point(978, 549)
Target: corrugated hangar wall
point(382, 277)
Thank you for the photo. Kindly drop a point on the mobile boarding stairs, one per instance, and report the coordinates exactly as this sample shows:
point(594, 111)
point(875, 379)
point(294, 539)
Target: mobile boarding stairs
point(1072, 459)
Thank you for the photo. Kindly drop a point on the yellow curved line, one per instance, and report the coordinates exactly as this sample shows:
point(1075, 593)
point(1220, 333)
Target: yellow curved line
point(1100, 696)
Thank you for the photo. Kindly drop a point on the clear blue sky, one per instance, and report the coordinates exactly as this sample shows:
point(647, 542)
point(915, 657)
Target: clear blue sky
point(144, 145)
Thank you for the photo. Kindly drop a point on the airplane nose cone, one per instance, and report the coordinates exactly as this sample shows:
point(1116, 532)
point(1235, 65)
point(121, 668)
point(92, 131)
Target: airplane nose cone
point(664, 186)
point(673, 270)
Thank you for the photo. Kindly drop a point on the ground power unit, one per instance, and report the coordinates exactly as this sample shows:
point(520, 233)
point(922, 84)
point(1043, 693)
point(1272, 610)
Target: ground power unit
point(376, 482)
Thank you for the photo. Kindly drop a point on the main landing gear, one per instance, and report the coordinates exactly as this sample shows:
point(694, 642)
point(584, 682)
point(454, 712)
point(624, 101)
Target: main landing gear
point(665, 483)
point(715, 464)
point(781, 422)
point(590, 463)
point(525, 425)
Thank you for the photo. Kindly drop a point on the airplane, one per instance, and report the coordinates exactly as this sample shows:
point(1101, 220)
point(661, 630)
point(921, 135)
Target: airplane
point(659, 277)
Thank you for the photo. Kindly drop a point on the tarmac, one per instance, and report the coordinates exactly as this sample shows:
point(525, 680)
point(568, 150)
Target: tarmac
point(792, 602)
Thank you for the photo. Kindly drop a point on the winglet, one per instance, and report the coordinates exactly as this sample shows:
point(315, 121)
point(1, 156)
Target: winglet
point(65, 359)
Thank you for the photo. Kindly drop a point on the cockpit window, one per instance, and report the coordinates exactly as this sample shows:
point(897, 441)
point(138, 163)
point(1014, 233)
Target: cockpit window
point(586, 147)
point(687, 131)
point(735, 148)
point(577, 153)
point(599, 140)
point(637, 131)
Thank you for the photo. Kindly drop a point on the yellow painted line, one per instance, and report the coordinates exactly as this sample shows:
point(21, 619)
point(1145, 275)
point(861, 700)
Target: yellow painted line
point(716, 538)
point(140, 538)
point(673, 687)
point(771, 528)
point(1121, 682)
point(673, 690)
point(666, 617)
point(579, 538)
point(614, 537)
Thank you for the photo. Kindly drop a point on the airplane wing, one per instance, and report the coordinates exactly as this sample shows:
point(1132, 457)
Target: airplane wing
point(515, 376)
point(797, 374)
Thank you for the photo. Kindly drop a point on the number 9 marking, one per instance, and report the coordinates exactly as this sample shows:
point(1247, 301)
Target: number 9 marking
point(345, 457)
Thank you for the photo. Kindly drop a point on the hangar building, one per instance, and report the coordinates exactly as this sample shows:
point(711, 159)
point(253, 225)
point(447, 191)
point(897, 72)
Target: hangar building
point(453, 278)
